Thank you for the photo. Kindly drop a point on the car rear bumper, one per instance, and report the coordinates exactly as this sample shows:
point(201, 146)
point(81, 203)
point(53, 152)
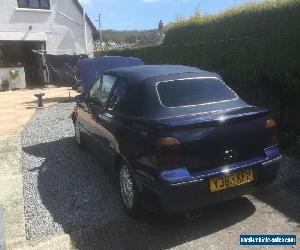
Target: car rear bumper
point(183, 198)
point(180, 197)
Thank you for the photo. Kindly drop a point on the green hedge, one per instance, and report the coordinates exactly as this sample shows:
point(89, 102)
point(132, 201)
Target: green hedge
point(256, 49)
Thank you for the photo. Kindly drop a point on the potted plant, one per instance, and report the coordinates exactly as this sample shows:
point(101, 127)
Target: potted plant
point(4, 84)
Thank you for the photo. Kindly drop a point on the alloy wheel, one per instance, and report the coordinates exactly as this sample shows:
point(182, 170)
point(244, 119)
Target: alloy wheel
point(127, 187)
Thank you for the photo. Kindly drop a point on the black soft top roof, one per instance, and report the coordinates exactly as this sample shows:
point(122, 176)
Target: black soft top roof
point(138, 74)
point(142, 96)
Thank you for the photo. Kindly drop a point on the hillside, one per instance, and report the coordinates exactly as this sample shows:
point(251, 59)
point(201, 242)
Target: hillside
point(131, 38)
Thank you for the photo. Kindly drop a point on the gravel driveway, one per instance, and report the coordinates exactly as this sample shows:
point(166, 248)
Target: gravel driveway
point(66, 190)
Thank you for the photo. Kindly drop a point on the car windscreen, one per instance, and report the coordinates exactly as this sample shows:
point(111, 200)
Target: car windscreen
point(197, 91)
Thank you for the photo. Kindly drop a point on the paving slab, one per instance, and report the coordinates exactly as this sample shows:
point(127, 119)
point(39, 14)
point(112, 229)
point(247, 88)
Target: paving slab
point(2, 231)
point(11, 186)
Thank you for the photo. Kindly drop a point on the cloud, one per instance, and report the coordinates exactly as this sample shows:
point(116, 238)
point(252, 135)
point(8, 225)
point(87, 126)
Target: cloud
point(86, 2)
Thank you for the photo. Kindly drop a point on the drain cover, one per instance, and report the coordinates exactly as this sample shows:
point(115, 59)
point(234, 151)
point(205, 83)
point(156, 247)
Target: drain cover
point(2, 240)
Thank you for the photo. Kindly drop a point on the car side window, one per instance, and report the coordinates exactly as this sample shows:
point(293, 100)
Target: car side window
point(118, 100)
point(96, 90)
point(101, 89)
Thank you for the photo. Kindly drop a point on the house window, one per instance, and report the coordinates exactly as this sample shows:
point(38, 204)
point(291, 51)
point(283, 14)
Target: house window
point(34, 4)
point(11, 54)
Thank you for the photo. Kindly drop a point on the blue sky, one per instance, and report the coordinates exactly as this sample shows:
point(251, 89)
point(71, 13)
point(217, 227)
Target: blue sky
point(145, 14)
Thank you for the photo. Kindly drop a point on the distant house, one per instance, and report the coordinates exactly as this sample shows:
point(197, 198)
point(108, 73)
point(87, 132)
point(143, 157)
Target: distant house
point(30, 28)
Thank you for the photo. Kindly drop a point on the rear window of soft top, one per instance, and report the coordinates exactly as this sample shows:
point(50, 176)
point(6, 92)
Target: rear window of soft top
point(196, 91)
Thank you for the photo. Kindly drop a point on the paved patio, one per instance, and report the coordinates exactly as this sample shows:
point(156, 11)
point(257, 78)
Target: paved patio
point(17, 107)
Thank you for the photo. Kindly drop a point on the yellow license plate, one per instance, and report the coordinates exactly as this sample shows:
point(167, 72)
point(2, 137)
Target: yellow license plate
point(231, 180)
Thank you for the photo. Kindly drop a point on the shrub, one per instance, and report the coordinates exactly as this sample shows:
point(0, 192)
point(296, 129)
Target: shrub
point(5, 84)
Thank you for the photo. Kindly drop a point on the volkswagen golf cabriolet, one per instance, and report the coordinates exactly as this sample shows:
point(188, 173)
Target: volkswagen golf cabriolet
point(177, 137)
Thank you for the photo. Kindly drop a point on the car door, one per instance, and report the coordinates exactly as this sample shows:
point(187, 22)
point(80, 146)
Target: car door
point(112, 125)
point(87, 107)
point(98, 97)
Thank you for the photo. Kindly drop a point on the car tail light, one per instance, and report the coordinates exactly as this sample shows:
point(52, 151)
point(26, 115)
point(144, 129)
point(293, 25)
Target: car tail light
point(271, 132)
point(169, 152)
point(270, 123)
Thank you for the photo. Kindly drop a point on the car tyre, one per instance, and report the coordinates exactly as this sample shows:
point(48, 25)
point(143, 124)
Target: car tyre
point(78, 137)
point(129, 192)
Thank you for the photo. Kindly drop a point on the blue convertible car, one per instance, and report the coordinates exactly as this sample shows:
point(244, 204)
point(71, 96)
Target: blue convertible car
point(178, 138)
